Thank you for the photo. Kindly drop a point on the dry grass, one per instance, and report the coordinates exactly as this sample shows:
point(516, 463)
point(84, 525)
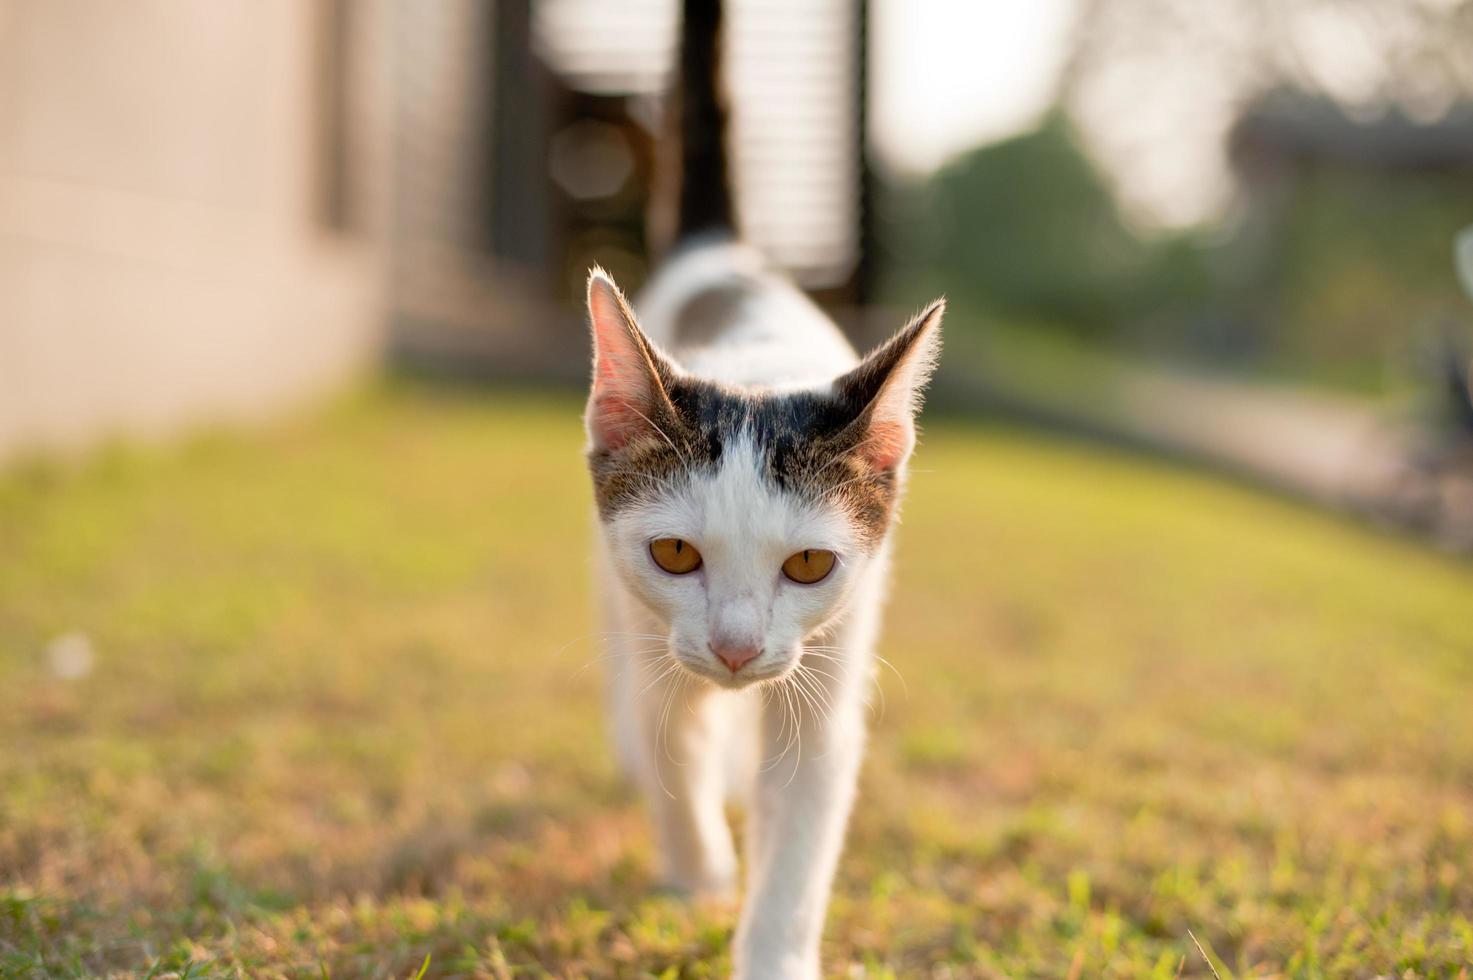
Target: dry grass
point(337, 721)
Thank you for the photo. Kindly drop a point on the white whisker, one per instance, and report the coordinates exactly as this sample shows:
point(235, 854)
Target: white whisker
point(670, 442)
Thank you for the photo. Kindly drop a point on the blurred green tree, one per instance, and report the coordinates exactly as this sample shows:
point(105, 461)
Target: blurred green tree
point(1027, 229)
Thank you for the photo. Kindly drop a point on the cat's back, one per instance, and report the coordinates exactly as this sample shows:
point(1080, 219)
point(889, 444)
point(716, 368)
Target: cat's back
point(718, 310)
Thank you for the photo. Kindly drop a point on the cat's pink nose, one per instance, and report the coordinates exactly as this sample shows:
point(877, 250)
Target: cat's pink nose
point(734, 655)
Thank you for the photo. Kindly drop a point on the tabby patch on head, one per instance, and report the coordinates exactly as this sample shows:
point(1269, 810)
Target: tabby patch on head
point(654, 428)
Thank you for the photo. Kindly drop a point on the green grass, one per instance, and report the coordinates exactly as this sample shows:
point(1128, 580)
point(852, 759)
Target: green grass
point(340, 720)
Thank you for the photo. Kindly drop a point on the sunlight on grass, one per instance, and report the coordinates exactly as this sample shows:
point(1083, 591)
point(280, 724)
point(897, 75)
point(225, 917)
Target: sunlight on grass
point(336, 711)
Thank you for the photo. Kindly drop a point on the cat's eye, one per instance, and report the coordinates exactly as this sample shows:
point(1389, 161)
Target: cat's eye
point(675, 556)
point(809, 566)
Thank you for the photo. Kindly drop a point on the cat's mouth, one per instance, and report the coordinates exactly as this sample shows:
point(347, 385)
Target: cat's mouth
point(737, 672)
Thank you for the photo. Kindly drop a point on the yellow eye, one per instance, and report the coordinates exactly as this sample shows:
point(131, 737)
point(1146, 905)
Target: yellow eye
point(809, 566)
point(675, 556)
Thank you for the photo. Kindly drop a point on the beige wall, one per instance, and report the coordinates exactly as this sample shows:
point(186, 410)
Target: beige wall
point(162, 259)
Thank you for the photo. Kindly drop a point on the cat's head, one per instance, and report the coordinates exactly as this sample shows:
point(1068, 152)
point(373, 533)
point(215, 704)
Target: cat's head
point(745, 520)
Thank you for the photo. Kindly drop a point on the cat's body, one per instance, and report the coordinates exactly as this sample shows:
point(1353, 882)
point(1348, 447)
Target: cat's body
point(747, 466)
point(691, 745)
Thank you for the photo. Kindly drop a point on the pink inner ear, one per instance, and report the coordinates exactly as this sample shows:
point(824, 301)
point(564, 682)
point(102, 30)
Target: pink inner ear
point(618, 368)
point(624, 389)
point(888, 442)
point(621, 398)
point(613, 420)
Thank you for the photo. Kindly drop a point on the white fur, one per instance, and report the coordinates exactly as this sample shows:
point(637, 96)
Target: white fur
point(785, 733)
point(783, 341)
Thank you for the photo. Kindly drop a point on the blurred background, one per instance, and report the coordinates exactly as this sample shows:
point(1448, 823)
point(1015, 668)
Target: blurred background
point(235, 665)
point(209, 212)
point(1241, 210)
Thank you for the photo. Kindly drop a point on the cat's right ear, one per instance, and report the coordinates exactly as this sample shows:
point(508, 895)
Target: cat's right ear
point(628, 394)
point(885, 389)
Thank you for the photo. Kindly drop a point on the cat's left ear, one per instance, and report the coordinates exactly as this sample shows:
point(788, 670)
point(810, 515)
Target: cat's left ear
point(627, 397)
point(885, 389)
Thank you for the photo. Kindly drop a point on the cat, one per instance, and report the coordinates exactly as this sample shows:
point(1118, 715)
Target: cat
point(747, 466)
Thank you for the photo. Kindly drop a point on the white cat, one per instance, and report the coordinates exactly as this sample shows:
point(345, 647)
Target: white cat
point(747, 466)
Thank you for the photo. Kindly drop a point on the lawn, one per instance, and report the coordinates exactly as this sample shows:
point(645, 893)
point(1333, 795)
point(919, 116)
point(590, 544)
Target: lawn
point(321, 701)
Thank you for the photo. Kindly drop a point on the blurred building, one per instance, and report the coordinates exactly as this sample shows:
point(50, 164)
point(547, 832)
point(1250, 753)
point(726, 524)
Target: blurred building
point(528, 147)
point(175, 240)
point(1341, 256)
point(212, 211)
point(1289, 132)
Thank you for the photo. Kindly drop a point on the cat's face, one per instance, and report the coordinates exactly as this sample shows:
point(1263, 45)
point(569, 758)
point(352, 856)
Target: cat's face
point(744, 521)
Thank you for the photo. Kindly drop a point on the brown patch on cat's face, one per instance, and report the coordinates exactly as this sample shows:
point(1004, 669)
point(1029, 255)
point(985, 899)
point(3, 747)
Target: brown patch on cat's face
point(642, 468)
point(653, 427)
point(807, 443)
point(828, 467)
point(869, 496)
point(817, 445)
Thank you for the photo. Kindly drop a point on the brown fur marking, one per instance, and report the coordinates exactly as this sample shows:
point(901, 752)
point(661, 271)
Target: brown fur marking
point(810, 442)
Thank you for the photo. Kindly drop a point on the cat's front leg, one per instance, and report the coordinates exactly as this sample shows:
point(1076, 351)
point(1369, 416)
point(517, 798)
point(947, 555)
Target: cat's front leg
point(799, 811)
point(682, 733)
